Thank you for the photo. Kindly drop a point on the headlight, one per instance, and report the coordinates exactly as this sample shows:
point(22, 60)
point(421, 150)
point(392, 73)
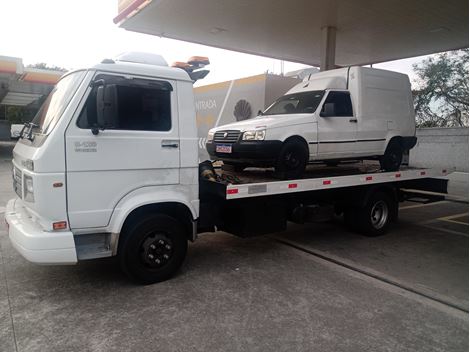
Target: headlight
point(210, 136)
point(28, 189)
point(254, 135)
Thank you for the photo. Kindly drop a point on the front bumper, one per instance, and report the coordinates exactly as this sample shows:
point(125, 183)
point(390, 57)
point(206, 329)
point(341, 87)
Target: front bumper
point(259, 153)
point(35, 244)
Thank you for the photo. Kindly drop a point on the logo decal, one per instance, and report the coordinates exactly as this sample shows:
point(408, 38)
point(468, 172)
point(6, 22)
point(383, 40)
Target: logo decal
point(85, 147)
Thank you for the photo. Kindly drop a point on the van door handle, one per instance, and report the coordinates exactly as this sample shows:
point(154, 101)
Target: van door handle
point(353, 120)
point(169, 145)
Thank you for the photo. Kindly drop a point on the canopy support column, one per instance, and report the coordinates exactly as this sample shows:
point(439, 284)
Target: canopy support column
point(328, 48)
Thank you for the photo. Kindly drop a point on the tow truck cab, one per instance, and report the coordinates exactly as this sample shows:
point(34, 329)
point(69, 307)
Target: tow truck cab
point(109, 140)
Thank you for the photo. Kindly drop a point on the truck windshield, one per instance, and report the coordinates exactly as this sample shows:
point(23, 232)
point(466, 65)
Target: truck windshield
point(55, 104)
point(296, 103)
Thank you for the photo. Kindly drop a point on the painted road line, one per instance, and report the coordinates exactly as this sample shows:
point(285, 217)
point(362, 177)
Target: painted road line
point(423, 205)
point(452, 217)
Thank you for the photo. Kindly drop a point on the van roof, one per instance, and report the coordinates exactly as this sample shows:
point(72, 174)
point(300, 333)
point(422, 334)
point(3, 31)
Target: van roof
point(338, 78)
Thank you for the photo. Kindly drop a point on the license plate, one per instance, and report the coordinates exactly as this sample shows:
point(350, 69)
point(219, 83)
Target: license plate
point(223, 148)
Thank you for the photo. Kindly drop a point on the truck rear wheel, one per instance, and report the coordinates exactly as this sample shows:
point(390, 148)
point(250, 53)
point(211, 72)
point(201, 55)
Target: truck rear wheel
point(373, 219)
point(152, 249)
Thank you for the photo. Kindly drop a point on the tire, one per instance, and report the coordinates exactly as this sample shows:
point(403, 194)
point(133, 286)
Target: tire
point(152, 249)
point(392, 158)
point(292, 160)
point(375, 217)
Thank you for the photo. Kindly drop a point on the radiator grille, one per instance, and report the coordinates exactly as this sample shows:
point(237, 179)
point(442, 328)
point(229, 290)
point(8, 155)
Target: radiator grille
point(230, 136)
point(18, 181)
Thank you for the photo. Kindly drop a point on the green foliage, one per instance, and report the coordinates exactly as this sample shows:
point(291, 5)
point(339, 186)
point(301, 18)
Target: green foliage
point(441, 99)
point(19, 114)
point(44, 66)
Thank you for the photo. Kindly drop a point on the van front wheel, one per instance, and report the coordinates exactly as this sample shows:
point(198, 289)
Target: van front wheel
point(292, 160)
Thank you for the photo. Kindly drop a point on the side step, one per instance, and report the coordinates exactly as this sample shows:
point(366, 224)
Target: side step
point(92, 246)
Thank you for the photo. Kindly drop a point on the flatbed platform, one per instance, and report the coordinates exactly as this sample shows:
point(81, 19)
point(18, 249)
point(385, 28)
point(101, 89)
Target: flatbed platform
point(256, 182)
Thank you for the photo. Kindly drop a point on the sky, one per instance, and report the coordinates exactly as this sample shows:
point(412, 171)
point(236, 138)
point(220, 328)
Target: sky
point(77, 33)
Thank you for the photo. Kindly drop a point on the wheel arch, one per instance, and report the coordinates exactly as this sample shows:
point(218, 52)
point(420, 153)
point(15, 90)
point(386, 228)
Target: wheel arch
point(395, 139)
point(296, 138)
point(180, 204)
point(176, 210)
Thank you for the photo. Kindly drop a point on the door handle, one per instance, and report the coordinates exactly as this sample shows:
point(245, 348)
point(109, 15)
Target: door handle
point(353, 120)
point(169, 145)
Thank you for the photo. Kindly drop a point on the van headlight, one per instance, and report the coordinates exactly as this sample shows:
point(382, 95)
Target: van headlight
point(210, 136)
point(257, 135)
point(28, 188)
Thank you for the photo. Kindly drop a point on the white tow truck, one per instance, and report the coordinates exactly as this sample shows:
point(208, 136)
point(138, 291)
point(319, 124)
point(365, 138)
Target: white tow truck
point(109, 166)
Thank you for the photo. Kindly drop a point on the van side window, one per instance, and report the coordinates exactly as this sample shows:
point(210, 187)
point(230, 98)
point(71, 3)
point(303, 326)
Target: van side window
point(342, 101)
point(139, 106)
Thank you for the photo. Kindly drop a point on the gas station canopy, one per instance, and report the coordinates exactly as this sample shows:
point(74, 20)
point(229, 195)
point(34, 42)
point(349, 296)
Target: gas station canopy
point(349, 32)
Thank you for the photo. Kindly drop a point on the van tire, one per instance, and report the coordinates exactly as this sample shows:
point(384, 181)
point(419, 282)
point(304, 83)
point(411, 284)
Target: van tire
point(292, 160)
point(393, 157)
point(152, 249)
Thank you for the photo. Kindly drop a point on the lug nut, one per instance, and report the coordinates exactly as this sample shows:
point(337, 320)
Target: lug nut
point(166, 256)
point(157, 261)
point(152, 246)
point(151, 256)
point(168, 246)
point(161, 242)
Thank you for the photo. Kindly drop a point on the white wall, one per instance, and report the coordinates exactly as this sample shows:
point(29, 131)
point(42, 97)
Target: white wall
point(442, 148)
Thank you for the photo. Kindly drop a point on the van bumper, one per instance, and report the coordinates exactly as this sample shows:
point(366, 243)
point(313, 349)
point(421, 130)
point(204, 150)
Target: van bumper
point(35, 244)
point(260, 153)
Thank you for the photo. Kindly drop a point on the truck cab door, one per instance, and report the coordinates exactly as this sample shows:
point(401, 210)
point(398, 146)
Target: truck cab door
point(124, 136)
point(337, 127)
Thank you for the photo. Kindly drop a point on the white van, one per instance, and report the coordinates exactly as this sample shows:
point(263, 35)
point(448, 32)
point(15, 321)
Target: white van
point(348, 113)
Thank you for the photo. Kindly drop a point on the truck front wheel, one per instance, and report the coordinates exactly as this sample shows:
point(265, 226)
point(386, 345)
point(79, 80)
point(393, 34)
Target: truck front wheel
point(152, 249)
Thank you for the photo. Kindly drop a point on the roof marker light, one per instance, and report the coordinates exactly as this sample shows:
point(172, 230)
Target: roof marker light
point(398, 175)
point(232, 191)
point(368, 178)
point(327, 182)
point(292, 185)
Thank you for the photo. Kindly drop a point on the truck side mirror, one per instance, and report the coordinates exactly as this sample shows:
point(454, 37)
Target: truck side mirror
point(106, 107)
point(328, 110)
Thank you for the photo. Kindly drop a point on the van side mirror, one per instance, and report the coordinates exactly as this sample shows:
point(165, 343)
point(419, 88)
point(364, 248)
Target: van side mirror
point(328, 110)
point(106, 108)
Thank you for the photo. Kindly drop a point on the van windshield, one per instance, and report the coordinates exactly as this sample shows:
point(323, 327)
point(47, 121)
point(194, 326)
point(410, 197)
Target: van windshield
point(296, 103)
point(55, 104)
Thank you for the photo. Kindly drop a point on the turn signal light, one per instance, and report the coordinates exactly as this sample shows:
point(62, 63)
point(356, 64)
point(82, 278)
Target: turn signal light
point(61, 225)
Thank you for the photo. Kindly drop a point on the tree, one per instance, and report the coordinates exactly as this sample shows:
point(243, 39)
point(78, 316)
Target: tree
point(441, 97)
point(44, 66)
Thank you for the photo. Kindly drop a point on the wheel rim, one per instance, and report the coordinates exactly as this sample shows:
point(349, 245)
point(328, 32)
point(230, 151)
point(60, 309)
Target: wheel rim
point(291, 161)
point(156, 250)
point(379, 214)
